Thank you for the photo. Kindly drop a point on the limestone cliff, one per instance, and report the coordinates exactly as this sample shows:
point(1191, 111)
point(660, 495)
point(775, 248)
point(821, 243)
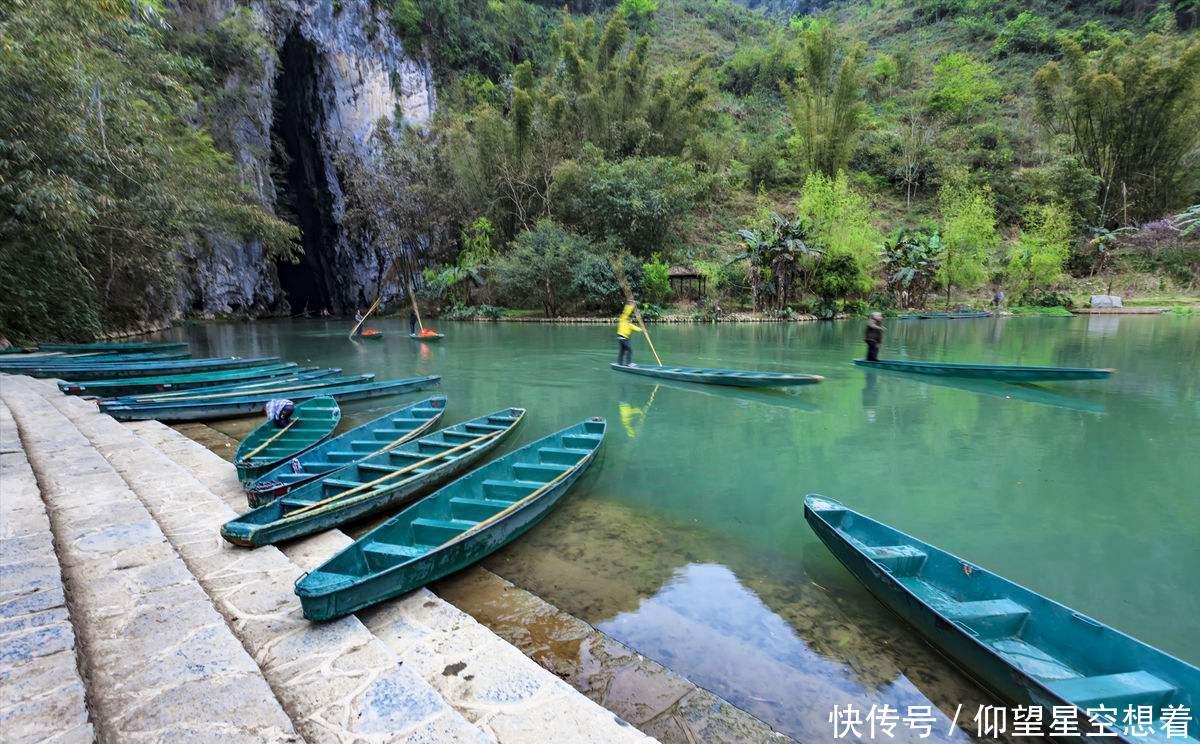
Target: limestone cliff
point(330, 72)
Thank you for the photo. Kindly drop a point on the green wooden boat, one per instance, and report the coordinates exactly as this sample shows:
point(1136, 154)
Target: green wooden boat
point(454, 527)
point(434, 337)
point(77, 373)
point(379, 482)
point(163, 383)
point(281, 385)
point(1028, 649)
point(388, 431)
point(1001, 372)
point(93, 360)
point(132, 346)
point(246, 405)
point(955, 315)
point(269, 445)
point(734, 377)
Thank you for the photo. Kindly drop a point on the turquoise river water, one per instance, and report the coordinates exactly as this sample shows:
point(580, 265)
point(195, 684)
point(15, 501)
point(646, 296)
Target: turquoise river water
point(687, 539)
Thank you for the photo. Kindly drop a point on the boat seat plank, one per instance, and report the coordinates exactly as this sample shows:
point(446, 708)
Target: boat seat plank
point(483, 428)
point(1115, 690)
point(290, 503)
point(373, 468)
point(989, 618)
point(561, 455)
point(509, 489)
point(476, 510)
point(533, 471)
point(340, 483)
point(458, 436)
point(579, 441)
point(900, 560)
point(438, 531)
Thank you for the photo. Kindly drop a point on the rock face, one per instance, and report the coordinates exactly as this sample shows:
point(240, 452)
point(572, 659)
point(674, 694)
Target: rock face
point(330, 73)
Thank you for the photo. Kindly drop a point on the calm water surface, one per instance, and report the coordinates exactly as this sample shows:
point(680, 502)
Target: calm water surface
point(687, 538)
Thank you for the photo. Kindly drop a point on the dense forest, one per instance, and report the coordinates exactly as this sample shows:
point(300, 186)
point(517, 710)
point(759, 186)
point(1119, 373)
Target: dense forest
point(866, 153)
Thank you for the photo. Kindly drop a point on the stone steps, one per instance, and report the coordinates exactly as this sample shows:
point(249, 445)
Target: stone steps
point(336, 681)
point(490, 682)
point(42, 696)
point(160, 661)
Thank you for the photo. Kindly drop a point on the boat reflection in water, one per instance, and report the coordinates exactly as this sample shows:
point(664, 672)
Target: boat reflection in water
point(762, 396)
point(1028, 393)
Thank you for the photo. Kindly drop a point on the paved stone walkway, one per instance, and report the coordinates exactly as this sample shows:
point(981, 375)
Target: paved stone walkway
point(41, 692)
point(160, 662)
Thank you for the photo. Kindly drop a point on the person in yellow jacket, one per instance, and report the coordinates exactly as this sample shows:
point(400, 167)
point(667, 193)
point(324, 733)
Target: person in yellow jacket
point(625, 327)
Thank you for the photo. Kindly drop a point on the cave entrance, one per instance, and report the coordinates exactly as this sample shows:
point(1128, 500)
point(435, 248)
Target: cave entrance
point(301, 181)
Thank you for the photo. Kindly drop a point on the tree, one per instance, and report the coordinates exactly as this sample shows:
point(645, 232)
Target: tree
point(102, 175)
point(404, 203)
point(911, 261)
point(963, 88)
point(915, 133)
point(540, 267)
point(1036, 260)
point(656, 280)
point(840, 220)
point(825, 104)
point(775, 254)
point(968, 234)
point(1129, 113)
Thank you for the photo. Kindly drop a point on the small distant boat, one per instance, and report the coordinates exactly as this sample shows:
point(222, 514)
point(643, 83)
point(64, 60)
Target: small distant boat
point(955, 315)
point(734, 377)
point(116, 347)
point(388, 479)
point(269, 444)
point(453, 527)
point(371, 335)
point(1003, 372)
point(432, 336)
point(186, 381)
point(84, 372)
point(388, 431)
point(203, 410)
point(1027, 648)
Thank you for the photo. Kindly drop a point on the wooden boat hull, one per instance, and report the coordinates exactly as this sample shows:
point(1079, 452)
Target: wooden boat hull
point(313, 421)
point(390, 430)
point(732, 377)
point(119, 347)
point(115, 371)
point(252, 404)
point(954, 316)
point(435, 337)
point(281, 387)
point(92, 360)
point(304, 511)
point(169, 383)
point(392, 559)
point(1026, 648)
point(1003, 373)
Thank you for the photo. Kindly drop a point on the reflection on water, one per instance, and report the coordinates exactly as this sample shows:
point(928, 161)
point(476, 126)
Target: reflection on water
point(687, 540)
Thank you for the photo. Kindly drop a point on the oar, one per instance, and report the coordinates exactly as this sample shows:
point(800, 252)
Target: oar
point(413, 297)
point(508, 509)
point(366, 315)
point(249, 455)
point(407, 469)
point(629, 298)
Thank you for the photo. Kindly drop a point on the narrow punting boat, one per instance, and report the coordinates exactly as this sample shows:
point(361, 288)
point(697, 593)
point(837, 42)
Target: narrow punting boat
point(386, 480)
point(955, 315)
point(94, 359)
point(187, 381)
point(389, 430)
point(1027, 648)
point(85, 372)
point(132, 346)
point(270, 444)
point(427, 337)
point(734, 377)
point(453, 527)
point(203, 410)
point(283, 385)
point(1002, 372)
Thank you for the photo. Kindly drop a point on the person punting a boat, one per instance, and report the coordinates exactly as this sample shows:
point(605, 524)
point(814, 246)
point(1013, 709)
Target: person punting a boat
point(874, 335)
point(625, 327)
point(280, 411)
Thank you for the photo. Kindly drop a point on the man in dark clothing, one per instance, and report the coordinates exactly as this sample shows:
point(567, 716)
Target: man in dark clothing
point(874, 336)
point(412, 324)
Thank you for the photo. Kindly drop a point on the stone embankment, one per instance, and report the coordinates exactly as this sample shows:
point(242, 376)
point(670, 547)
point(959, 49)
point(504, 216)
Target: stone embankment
point(125, 617)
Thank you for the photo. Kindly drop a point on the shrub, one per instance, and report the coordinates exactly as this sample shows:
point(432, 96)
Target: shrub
point(1028, 32)
point(540, 268)
point(963, 87)
point(841, 222)
point(656, 280)
point(1036, 261)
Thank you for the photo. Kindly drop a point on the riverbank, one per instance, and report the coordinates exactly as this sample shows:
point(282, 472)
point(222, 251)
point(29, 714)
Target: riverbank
point(132, 617)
